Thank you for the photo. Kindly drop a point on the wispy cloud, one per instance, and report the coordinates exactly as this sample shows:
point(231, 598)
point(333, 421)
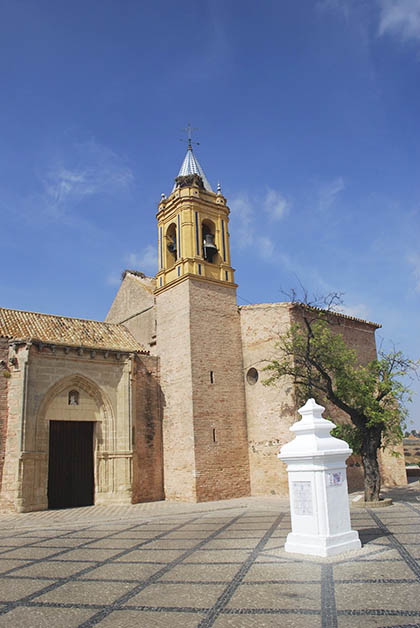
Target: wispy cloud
point(247, 213)
point(337, 6)
point(275, 204)
point(329, 192)
point(251, 217)
point(89, 169)
point(358, 310)
point(414, 261)
point(147, 260)
point(265, 248)
point(400, 18)
point(243, 214)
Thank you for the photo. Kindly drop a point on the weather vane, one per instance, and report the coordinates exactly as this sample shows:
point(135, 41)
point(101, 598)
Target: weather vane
point(188, 130)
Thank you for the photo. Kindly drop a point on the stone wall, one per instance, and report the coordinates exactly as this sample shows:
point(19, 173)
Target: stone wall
point(147, 424)
point(392, 467)
point(134, 307)
point(4, 380)
point(271, 410)
point(11, 488)
point(38, 391)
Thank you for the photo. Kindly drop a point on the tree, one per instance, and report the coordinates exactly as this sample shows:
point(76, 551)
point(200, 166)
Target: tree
point(320, 363)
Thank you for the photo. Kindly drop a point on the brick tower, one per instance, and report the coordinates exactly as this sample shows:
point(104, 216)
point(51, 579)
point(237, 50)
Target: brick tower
point(199, 344)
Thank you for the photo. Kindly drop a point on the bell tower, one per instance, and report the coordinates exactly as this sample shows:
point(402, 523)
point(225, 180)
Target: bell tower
point(199, 344)
point(193, 229)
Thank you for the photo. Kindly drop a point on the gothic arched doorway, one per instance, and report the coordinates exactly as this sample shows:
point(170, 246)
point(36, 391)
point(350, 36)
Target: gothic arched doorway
point(76, 424)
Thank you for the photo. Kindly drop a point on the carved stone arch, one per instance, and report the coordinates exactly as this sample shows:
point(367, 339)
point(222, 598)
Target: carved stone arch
point(80, 382)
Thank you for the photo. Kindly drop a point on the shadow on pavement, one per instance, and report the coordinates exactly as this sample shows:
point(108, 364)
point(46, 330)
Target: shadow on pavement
point(410, 493)
point(367, 535)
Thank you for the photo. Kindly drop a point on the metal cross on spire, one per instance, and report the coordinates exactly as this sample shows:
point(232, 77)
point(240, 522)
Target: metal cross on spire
point(189, 130)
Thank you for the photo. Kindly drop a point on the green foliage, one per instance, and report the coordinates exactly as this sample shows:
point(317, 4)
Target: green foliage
point(320, 363)
point(351, 434)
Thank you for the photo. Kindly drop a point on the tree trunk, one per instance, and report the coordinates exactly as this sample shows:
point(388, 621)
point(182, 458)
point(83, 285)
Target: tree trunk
point(372, 477)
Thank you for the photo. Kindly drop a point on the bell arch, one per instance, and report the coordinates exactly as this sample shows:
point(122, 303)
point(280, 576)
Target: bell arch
point(171, 249)
point(208, 234)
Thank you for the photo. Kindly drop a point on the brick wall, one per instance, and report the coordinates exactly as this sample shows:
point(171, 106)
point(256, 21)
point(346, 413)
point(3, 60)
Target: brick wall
point(220, 434)
point(131, 307)
point(147, 423)
point(173, 344)
point(4, 352)
point(205, 448)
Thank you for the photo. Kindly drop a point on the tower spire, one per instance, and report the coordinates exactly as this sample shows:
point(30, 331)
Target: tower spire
point(193, 229)
point(190, 165)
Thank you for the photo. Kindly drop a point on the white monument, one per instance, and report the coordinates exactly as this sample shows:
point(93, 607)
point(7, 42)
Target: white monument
point(319, 505)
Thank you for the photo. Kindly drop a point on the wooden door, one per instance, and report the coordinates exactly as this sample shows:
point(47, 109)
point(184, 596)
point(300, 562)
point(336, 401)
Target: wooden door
point(70, 468)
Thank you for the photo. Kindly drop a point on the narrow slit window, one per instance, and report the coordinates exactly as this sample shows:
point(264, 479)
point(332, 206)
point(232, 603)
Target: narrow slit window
point(211, 377)
point(214, 434)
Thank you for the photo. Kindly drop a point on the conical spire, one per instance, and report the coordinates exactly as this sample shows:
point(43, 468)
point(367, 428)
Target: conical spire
point(190, 165)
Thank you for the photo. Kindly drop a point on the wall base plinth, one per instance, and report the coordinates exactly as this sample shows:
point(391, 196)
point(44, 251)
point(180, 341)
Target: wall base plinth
point(21, 506)
point(106, 499)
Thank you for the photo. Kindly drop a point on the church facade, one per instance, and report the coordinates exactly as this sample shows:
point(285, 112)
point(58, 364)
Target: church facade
point(165, 399)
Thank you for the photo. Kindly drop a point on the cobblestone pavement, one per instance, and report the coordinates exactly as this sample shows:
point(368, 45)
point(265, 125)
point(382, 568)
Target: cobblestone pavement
point(218, 564)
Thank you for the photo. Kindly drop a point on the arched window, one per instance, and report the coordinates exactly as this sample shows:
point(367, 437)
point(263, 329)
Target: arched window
point(209, 246)
point(171, 245)
point(73, 398)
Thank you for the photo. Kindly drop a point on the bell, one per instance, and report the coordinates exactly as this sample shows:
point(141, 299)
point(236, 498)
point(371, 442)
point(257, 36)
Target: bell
point(172, 247)
point(209, 247)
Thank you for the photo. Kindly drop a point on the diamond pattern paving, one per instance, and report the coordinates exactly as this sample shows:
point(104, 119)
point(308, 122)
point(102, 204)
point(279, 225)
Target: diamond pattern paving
point(220, 564)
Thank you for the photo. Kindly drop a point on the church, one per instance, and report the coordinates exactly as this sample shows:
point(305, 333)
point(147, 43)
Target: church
point(165, 398)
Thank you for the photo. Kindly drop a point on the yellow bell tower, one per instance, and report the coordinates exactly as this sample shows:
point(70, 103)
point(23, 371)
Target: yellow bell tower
point(193, 229)
point(199, 344)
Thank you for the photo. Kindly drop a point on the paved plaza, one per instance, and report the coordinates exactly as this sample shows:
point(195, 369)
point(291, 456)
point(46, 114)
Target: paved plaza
point(218, 564)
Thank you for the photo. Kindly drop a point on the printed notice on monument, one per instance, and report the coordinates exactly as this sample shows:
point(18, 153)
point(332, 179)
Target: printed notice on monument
point(302, 498)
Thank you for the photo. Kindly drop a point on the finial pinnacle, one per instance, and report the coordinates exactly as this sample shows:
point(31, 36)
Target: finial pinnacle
point(219, 188)
point(188, 130)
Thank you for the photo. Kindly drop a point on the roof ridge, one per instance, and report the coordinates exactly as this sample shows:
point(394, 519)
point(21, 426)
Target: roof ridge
point(313, 307)
point(336, 313)
point(73, 318)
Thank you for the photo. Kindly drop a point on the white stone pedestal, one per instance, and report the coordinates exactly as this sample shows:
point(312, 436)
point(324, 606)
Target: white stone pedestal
point(319, 505)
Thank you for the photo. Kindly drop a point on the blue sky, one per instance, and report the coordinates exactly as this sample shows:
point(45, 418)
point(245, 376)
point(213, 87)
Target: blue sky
point(308, 115)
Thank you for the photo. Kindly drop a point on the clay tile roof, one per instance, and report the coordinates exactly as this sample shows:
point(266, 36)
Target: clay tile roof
point(63, 330)
point(338, 314)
